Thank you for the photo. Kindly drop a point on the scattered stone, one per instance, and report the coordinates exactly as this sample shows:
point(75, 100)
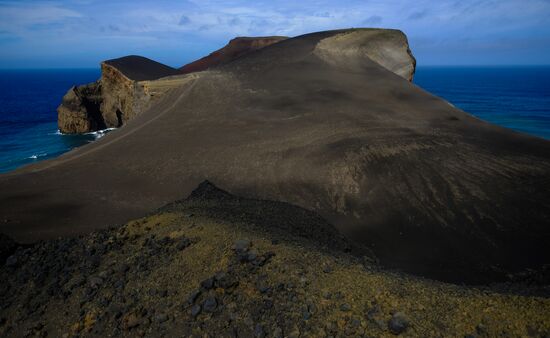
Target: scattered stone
point(12, 261)
point(345, 307)
point(193, 296)
point(327, 269)
point(225, 281)
point(481, 329)
point(130, 321)
point(183, 243)
point(210, 304)
point(306, 315)
point(326, 295)
point(278, 333)
point(398, 323)
point(161, 318)
point(95, 282)
point(355, 323)
point(241, 245)
point(252, 256)
point(207, 284)
point(123, 268)
point(263, 288)
point(195, 310)
point(259, 331)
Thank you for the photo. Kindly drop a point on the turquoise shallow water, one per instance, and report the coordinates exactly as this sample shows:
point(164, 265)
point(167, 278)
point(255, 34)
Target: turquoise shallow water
point(514, 97)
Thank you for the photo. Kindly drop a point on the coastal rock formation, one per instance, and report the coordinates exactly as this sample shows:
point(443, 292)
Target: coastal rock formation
point(236, 48)
point(427, 187)
point(79, 111)
point(121, 92)
point(118, 96)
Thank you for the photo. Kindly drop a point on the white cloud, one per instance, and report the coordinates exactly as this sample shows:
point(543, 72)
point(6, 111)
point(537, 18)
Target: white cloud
point(168, 25)
point(16, 16)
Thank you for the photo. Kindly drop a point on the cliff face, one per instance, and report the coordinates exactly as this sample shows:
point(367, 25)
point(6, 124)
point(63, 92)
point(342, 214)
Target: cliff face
point(234, 49)
point(117, 97)
point(123, 98)
point(351, 49)
point(79, 111)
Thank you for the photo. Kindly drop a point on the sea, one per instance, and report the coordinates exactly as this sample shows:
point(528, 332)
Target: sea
point(513, 97)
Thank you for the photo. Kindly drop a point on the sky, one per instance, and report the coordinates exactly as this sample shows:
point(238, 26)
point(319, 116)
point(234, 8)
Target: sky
point(82, 33)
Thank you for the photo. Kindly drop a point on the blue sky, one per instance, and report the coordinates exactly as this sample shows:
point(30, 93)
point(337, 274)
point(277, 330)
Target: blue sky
point(81, 33)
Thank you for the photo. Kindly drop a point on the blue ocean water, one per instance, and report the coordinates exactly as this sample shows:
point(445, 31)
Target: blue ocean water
point(28, 117)
point(514, 97)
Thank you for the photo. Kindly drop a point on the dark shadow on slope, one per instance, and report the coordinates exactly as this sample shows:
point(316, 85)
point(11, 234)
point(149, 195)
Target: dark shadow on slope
point(208, 200)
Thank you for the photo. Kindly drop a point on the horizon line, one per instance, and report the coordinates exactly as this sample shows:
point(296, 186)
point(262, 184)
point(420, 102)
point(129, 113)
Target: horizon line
point(417, 66)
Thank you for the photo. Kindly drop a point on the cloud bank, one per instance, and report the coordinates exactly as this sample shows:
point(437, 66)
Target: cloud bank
point(81, 33)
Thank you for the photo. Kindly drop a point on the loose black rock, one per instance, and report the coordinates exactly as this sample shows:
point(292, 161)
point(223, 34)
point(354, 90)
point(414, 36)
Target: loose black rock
point(195, 310)
point(398, 323)
point(345, 307)
point(210, 304)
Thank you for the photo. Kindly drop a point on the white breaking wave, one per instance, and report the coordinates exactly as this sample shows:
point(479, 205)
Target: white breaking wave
point(35, 156)
point(100, 133)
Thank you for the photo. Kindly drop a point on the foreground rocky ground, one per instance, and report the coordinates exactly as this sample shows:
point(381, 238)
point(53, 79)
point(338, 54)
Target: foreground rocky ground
point(215, 265)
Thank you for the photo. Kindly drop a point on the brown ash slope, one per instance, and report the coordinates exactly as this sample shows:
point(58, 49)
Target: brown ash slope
point(315, 122)
point(139, 68)
point(236, 48)
point(217, 265)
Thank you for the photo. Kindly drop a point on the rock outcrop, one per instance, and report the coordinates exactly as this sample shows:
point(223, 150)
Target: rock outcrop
point(351, 49)
point(118, 96)
point(236, 48)
point(79, 111)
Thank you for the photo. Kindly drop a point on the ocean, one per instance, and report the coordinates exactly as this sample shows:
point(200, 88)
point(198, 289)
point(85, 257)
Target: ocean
point(513, 97)
point(28, 117)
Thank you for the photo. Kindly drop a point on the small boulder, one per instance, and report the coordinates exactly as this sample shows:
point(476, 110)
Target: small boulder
point(398, 323)
point(207, 284)
point(161, 317)
point(241, 245)
point(345, 307)
point(12, 261)
point(195, 310)
point(95, 282)
point(130, 321)
point(193, 296)
point(259, 331)
point(210, 304)
point(183, 243)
